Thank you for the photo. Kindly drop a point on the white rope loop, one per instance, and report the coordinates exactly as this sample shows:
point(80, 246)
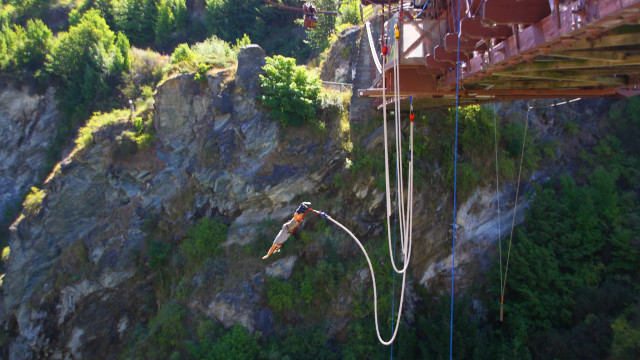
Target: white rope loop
point(373, 280)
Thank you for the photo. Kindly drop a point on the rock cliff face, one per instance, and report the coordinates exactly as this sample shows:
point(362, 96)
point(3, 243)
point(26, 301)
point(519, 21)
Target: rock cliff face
point(217, 153)
point(26, 121)
point(74, 288)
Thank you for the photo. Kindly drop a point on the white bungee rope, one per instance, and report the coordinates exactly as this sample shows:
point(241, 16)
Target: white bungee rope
point(373, 280)
point(406, 218)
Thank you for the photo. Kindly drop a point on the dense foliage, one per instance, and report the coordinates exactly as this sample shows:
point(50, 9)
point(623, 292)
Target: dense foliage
point(290, 91)
point(87, 60)
point(24, 48)
point(573, 279)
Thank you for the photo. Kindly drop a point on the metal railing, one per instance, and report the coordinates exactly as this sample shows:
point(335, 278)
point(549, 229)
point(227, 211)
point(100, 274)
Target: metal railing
point(336, 86)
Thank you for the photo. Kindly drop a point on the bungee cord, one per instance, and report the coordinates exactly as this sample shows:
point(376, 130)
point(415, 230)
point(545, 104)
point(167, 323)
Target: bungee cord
point(513, 220)
point(373, 281)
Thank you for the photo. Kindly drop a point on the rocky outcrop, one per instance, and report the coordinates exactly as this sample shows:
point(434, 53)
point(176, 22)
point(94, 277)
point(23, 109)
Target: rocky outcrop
point(340, 65)
point(26, 120)
point(282, 268)
point(76, 277)
point(217, 153)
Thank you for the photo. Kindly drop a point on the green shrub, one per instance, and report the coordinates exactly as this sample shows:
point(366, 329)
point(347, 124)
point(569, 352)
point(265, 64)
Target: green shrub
point(332, 101)
point(158, 254)
point(137, 19)
point(349, 13)
point(571, 128)
point(145, 141)
point(280, 296)
point(201, 74)
point(240, 43)
point(213, 48)
point(202, 56)
point(182, 53)
point(512, 136)
point(301, 343)
point(290, 91)
point(85, 56)
point(203, 240)
point(468, 179)
point(126, 146)
point(236, 344)
point(33, 203)
point(167, 331)
point(37, 42)
point(626, 334)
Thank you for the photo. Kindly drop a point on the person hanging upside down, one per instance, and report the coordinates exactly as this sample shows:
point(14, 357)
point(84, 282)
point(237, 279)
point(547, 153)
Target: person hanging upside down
point(288, 228)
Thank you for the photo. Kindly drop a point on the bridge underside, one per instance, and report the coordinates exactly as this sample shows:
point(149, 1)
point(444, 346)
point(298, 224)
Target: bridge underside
point(514, 49)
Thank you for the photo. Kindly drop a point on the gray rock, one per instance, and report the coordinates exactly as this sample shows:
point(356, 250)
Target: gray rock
point(251, 58)
point(283, 267)
point(26, 121)
point(264, 321)
point(342, 57)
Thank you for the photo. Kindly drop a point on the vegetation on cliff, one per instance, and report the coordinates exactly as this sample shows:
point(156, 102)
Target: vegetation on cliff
point(572, 290)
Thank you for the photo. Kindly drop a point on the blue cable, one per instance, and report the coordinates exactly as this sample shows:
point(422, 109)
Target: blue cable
point(455, 184)
point(425, 5)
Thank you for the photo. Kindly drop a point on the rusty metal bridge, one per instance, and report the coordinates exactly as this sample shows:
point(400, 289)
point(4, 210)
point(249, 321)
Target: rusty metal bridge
point(509, 49)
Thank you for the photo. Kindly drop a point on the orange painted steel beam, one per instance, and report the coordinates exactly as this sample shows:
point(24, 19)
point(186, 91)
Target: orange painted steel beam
point(474, 28)
point(497, 94)
point(466, 44)
point(516, 12)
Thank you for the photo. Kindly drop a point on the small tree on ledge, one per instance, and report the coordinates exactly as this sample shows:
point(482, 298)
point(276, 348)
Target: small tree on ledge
point(290, 91)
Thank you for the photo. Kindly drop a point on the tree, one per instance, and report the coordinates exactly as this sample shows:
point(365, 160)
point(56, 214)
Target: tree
point(350, 13)
point(10, 38)
point(37, 41)
point(85, 58)
point(289, 90)
point(165, 22)
point(137, 19)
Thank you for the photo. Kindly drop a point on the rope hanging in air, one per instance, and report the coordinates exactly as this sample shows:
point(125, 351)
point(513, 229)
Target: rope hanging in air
point(373, 280)
point(406, 220)
point(513, 220)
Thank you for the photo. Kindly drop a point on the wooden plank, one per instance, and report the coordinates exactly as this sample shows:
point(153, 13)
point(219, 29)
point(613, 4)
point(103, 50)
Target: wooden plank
point(599, 55)
point(606, 41)
point(564, 76)
point(503, 84)
point(632, 60)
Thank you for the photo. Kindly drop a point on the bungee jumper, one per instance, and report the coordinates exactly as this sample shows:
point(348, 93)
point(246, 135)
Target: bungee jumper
point(288, 228)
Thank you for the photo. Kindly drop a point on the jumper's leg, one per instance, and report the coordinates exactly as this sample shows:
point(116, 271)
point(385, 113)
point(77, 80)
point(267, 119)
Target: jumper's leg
point(274, 248)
